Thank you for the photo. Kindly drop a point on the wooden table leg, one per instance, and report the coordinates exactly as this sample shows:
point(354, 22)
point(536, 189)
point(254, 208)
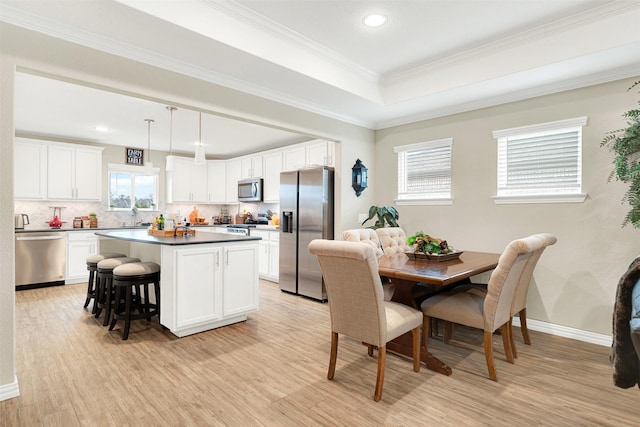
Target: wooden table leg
point(403, 344)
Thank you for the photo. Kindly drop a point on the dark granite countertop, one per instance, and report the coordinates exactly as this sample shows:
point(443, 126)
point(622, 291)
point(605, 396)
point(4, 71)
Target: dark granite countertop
point(142, 236)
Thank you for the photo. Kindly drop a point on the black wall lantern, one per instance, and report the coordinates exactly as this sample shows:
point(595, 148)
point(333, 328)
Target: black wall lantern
point(359, 177)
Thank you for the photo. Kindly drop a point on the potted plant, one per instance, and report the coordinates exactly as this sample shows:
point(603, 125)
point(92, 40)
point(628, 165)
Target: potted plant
point(384, 215)
point(625, 143)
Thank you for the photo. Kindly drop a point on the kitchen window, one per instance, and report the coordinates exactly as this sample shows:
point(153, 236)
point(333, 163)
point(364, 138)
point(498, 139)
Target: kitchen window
point(131, 186)
point(540, 163)
point(424, 173)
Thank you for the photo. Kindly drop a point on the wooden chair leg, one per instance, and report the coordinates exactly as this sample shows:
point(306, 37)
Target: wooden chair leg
point(514, 350)
point(488, 354)
point(434, 327)
point(506, 341)
point(382, 357)
point(426, 332)
point(448, 332)
point(416, 349)
point(523, 326)
point(334, 355)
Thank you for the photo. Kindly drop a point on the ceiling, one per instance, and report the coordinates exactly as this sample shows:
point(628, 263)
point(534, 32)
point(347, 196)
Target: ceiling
point(432, 58)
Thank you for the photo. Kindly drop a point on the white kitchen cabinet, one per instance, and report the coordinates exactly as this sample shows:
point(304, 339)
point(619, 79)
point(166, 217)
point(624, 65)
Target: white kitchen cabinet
point(187, 182)
point(319, 153)
point(216, 181)
point(29, 170)
point(199, 299)
point(213, 286)
point(234, 173)
point(271, 182)
point(251, 167)
point(294, 158)
point(74, 172)
point(313, 153)
point(269, 252)
point(240, 294)
point(80, 244)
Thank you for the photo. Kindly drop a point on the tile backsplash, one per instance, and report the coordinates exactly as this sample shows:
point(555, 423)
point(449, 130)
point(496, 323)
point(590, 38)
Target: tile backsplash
point(41, 212)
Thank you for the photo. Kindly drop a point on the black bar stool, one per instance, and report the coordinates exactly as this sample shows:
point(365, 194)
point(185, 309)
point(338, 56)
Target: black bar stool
point(92, 265)
point(131, 282)
point(104, 285)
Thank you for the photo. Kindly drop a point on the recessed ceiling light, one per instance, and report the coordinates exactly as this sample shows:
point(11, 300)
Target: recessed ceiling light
point(101, 128)
point(374, 20)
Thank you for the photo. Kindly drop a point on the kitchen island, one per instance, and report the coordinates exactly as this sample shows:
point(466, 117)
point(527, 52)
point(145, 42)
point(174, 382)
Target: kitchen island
point(206, 281)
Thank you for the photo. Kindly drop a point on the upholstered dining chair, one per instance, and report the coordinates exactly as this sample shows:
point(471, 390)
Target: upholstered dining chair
point(519, 306)
point(490, 310)
point(370, 237)
point(356, 304)
point(393, 240)
point(364, 235)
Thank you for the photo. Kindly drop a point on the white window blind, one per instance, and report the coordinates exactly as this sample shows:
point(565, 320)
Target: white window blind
point(541, 160)
point(424, 170)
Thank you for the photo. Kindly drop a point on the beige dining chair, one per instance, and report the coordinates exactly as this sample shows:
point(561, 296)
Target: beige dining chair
point(369, 236)
point(490, 310)
point(393, 240)
point(519, 306)
point(356, 304)
point(364, 235)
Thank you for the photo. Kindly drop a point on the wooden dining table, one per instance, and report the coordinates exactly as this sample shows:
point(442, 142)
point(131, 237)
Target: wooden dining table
point(405, 273)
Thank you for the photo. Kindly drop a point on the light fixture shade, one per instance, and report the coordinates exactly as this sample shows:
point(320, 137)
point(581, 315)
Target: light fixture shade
point(171, 164)
point(200, 159)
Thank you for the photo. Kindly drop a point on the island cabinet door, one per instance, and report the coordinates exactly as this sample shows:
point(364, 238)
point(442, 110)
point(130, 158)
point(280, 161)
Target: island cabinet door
point(240, 279)
point(198, 288)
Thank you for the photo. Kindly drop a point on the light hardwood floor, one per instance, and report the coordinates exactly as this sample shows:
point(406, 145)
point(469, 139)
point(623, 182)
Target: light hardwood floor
point(271, 371)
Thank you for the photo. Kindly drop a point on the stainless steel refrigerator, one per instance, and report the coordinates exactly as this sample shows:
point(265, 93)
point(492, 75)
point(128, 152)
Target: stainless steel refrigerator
point(306, 205)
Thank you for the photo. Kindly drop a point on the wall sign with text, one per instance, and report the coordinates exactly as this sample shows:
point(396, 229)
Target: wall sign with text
point(135, 156)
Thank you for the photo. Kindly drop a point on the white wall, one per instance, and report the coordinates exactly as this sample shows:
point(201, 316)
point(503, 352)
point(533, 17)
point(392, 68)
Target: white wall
point(575, 281)
point(30, 51)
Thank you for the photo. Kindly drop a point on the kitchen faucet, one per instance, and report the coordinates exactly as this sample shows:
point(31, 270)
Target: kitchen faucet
point(134, 213)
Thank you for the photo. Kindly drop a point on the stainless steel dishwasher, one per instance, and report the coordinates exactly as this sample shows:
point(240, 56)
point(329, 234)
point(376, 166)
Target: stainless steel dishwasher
point(40, 259)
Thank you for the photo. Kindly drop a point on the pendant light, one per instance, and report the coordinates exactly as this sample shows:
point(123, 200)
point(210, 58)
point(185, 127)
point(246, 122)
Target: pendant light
point(148, 164)
point(170, 160)
point(199, 158)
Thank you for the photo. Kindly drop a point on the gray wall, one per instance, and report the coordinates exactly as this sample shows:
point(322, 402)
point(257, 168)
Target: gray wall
point(575, 281)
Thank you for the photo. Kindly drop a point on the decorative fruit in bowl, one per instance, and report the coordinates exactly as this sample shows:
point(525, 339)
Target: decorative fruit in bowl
point(423, 243)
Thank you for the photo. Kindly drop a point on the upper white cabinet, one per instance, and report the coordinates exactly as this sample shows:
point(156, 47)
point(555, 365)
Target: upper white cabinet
point(271, 182)
point(234, 173)
point(252, 167)
point(294, 158)
point(187, 182)
point(313, 153)
point(30, 170)
point(319, 153)
point(74, 172)
point(216, 181)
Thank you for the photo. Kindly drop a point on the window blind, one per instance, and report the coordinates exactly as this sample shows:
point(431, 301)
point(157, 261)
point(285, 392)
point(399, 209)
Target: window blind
point(542, 163)
point(424, 170)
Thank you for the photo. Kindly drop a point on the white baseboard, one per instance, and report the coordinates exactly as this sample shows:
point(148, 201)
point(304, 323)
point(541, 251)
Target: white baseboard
point(8, 391)
point(565, 331)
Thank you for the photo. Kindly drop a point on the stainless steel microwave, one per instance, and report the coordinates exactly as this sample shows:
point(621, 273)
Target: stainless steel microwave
point(250, 190)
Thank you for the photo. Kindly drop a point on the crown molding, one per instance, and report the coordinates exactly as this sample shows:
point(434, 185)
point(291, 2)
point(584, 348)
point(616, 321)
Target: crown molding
point(513, 42)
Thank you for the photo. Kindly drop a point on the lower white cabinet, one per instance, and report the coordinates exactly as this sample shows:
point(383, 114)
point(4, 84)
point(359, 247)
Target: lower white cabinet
point(208, 286)
point(80, 244)
point(269, 254)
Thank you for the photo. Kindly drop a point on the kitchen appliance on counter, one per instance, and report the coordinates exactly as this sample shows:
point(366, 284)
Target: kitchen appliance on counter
point(306, 204)
point(20, 220)
point(40, 259)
